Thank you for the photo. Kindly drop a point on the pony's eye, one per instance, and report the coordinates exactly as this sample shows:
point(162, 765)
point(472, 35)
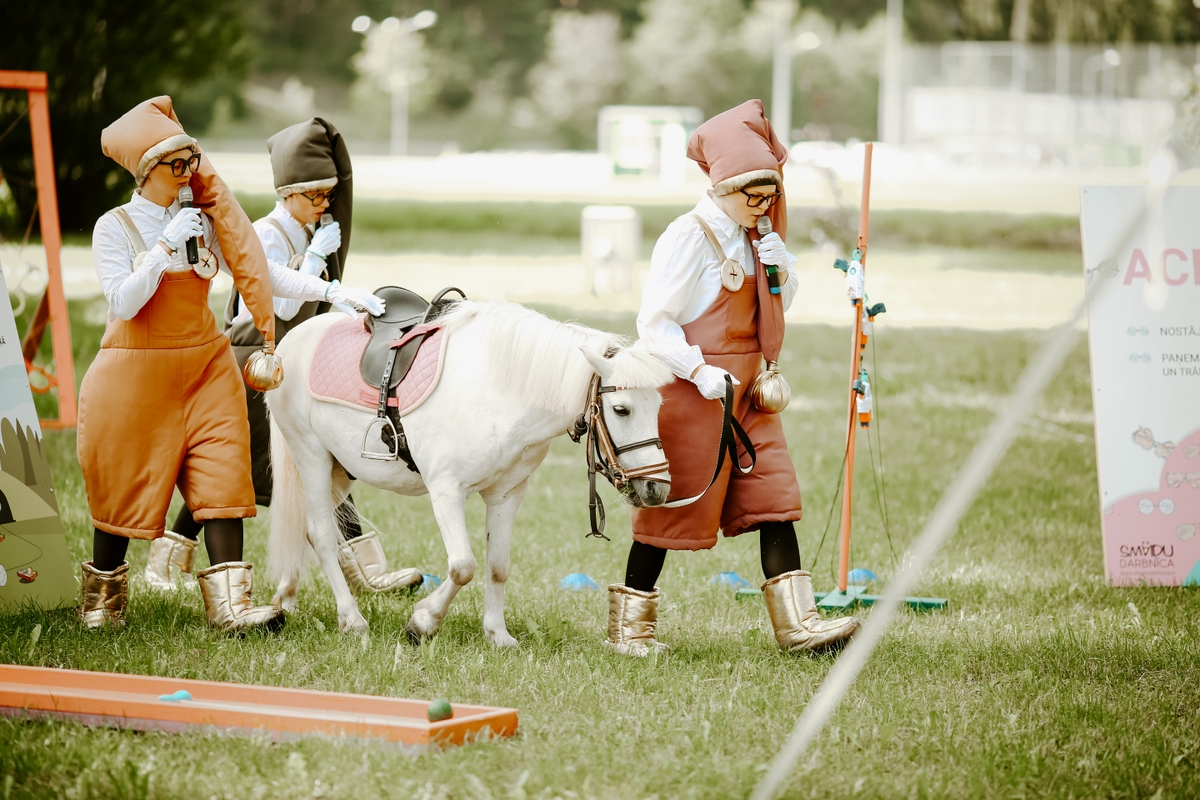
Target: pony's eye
point(621, 411)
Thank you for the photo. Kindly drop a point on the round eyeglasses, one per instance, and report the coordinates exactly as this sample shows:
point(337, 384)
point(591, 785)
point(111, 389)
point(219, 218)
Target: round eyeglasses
point(178, 165)
point(757, 200)
point(316, 198)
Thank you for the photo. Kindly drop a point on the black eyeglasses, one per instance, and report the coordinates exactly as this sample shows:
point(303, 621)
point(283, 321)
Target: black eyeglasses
point(178, 165)
point(316, 197)
point(756, 200)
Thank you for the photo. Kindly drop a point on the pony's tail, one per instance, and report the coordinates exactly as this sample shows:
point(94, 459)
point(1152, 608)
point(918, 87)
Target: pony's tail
point(287, 546)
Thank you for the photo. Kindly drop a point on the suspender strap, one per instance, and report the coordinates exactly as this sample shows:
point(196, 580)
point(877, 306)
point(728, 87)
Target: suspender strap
point(712, 237)
point(287, 239)
point(131, 233)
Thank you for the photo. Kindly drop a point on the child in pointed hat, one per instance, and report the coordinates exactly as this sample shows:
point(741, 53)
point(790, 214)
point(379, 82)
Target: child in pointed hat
point(709, 312)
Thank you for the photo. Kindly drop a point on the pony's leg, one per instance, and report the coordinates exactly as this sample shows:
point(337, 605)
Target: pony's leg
point(325, 538)
point(449, 503)
point(501, 513)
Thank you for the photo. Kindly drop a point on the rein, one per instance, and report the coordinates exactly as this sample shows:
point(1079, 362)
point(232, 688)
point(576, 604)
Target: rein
point(602, 455)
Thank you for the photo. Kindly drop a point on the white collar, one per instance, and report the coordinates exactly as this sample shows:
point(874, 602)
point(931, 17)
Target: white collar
point(150, 208)
point(717, 219)
point(285, 218)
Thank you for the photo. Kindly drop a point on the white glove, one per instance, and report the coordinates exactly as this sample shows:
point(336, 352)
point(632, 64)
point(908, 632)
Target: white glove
point(710, 381)
point(351, 300)
point(326, 240)
point(185, 225)
point(771, 250)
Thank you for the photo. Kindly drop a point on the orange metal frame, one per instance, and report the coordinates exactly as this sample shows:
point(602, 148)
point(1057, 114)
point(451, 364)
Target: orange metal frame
point(136, 702)
point(53, 305)
point(855, 366)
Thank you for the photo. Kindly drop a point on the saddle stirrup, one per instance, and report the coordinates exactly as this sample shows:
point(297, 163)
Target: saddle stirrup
point(386, 432)
point(382, 422)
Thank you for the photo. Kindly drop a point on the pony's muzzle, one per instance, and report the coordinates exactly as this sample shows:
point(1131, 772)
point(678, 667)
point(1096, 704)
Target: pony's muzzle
point(650, 492)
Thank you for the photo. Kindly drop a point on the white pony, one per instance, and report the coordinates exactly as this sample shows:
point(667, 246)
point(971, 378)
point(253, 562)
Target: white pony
point(513, 380)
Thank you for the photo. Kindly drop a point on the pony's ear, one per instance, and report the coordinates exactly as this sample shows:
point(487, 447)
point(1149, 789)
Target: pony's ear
point(603, 366)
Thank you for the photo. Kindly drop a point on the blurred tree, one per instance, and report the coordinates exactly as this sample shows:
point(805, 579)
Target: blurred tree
point(1087, 21)
point(582, 72)
point(104, 57)
point(704, 53)
point(473, 43)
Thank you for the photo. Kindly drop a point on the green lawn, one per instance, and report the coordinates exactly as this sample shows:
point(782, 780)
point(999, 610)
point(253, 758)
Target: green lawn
point(1038, 680)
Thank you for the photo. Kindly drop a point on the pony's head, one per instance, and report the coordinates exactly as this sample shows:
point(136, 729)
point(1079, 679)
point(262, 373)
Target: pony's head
point(631, 415)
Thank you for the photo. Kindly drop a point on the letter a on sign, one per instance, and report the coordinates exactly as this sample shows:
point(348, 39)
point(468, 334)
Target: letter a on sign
point(1139, 267)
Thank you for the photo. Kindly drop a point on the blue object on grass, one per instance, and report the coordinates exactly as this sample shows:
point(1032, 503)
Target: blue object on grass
point(730, 580)
point(428, 583)
point(578, 582)
point(182, 694)
point(861, 576)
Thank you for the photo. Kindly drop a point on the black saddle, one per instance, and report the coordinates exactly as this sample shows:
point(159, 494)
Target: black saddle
point(404, 311)
point(384, 366)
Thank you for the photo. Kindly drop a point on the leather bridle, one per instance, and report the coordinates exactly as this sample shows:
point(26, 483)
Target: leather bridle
point(602, 455)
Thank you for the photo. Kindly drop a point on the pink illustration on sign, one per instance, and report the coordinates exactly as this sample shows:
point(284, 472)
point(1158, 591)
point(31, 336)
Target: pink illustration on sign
point(1149, 537)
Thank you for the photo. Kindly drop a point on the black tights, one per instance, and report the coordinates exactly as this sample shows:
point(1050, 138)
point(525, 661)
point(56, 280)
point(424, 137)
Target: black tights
point(223, 542)
point(777, 545)
point(347, 519)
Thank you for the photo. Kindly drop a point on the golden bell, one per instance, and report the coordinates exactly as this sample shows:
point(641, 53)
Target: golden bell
point(263, 370)
point(770, 392)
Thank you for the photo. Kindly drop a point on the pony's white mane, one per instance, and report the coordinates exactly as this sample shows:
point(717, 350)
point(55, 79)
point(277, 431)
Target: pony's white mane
point(541, 358)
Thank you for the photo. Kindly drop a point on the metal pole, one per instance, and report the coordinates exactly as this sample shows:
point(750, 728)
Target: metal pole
point(891, 79)
point(399, 144)
point(399, 79)
point(781, 73)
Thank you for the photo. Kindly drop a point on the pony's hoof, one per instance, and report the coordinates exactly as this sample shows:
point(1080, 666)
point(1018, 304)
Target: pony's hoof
point(286, 602)
point(420, 626)
point(353, 623)
point(501, 638)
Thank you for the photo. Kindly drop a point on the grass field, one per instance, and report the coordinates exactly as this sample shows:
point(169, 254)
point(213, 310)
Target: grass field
point(1038, 680)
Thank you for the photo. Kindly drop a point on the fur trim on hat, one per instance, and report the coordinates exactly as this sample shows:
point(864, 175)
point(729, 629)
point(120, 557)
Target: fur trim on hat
point(757, 177)
point(322, 185)
point(151, 157)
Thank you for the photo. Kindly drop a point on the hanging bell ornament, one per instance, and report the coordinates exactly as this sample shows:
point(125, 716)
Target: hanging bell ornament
point(770, 392)
point(263, 370)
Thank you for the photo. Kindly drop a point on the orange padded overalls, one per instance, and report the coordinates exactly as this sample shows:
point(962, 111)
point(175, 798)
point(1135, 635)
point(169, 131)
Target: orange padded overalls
point(163, 405)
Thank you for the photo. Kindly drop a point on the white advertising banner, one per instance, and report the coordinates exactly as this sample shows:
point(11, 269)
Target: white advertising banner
point(1144, 334)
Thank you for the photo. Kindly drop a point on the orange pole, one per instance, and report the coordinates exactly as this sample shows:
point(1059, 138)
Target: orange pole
point(60, 327)
point(855, 366)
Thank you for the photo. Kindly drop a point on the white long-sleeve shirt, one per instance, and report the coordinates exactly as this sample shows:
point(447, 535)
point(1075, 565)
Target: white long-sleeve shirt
point(128, 291)
point(685, 279)
point(278, 252)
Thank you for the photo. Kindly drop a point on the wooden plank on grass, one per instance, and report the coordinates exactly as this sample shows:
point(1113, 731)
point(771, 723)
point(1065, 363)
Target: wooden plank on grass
point(133, 701)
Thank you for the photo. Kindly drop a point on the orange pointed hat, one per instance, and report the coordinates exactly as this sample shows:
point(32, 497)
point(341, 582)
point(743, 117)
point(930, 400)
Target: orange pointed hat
point(139, 140)
point(147, 132)
point(738, 148)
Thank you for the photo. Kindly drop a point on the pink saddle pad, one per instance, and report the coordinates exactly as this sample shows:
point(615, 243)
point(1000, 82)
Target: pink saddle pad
point(334, 376)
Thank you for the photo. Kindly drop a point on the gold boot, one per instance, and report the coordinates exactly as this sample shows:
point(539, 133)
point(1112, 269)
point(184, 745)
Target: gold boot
point(104, 596)
point(366, 568)
point(793, 612)
point(170, 554)
point(632, 619)
point(226, 591)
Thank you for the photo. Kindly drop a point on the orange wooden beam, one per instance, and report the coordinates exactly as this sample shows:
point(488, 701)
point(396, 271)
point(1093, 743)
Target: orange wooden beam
point(35, 84)
point(133, 701)
point(29, 81)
